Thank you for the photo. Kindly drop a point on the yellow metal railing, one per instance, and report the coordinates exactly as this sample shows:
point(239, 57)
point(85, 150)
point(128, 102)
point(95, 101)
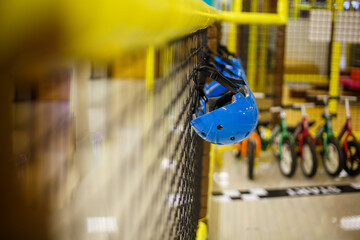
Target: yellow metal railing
point(335, 65)
point(150, 68)
point(252, 48)
point(89, 28)
point(237, 8)
point(201, 233)
point(279, 18)
point(308, 78)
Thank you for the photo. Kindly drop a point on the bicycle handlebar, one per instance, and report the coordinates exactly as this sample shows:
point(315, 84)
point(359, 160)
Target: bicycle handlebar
point(276, 109)
point(261, 95)
point(350, 98)
point(299, 105)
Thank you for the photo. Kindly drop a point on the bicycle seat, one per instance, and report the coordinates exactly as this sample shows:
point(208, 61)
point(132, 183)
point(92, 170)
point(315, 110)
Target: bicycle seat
point(311, 123)
point(292, 128)
point(264, 123)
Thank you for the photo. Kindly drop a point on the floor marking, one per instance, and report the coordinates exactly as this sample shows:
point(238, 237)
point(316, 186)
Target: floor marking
point(249, 197)
point(221, 198)
point(258, 193)
point(102, 224)
point(350, 223)
point(231, 193)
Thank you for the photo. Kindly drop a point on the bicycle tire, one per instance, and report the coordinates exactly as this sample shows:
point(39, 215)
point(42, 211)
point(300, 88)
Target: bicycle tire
point(354, 158)
point(334, 152)
point(287, 158)
point(308, 158)
point(251, 148)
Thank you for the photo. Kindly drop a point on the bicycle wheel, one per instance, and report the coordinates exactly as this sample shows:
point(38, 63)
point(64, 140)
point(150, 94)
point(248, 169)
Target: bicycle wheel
point(287, 158)
point(251, 148)
point(333, 161)
point(352, 161)
point(308, 158)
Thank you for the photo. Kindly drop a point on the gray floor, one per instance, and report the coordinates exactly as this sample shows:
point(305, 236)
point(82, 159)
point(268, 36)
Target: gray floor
point(305, 217)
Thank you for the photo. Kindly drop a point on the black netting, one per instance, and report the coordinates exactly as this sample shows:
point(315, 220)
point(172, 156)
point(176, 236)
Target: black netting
point(169, 189)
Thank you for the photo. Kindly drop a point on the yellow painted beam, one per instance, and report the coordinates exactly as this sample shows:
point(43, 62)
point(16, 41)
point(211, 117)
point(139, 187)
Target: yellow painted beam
point(329, 4)
point(296, 6)
point(150, 68)
point(201, 233)
point(334, 75)
point(252, 49)
point(91, 28)
point(263, 53)
point(339, 5)
point(237, 7)
point(308, 78)
point(279, 18)
point(211, 174)
point(335, 65)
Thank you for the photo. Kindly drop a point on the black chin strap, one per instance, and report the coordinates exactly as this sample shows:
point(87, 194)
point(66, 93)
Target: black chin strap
point(230, 83)
point(222, 49)
point(209, 59)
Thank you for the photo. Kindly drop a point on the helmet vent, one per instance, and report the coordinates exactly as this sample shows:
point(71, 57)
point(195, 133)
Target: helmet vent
point(204, 134)
point(219, 127)
point(247, 134)
point(232, 138)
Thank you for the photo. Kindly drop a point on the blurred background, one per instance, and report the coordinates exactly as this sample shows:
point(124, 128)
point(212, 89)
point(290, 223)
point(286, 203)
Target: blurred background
point(97, 98)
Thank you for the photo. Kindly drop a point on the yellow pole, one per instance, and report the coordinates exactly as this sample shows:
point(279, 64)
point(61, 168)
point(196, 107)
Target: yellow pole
point(252, 49)
point(263, 52)
point(201, 233)
point(237, 7)
point(89, 28)
point(150, 68)
point(279, 18)
point(335, 65)
point(211, 172)
point(296, 4)
point(328, 4)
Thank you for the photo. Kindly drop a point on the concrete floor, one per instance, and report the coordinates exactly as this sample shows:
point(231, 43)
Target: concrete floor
point(331, 216)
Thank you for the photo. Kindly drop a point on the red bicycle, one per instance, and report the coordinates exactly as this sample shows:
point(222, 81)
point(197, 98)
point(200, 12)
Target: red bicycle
point(305, 142)
point(351, 148)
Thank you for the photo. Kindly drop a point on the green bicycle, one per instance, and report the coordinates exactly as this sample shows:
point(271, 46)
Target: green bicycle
point(281, 137)
point(332, 157)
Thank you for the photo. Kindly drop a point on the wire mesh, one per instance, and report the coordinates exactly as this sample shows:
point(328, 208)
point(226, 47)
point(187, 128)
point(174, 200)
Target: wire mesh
point(117, 161)
point(164, 164)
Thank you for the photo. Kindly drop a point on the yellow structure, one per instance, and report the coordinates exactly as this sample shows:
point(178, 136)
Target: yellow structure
point(335, 65)
point(279, 18)
point(150, 68)
point(201, 233)
point(237, 8)
point(252, 49)
point(86, 28)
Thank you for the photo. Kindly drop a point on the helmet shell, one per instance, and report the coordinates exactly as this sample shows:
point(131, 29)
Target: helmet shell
point(229, 124)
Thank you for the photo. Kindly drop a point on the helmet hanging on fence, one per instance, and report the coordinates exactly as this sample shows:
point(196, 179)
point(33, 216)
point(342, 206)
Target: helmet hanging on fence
point(229, 117)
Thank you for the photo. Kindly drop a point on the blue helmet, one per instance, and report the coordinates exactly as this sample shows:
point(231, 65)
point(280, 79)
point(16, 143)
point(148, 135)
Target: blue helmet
point(229, 118)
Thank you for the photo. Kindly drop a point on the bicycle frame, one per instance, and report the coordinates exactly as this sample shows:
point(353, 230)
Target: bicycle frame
point(302, 131)
point(281, 129)
point(326, 128)
point(347, 128)
point(242, 147)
